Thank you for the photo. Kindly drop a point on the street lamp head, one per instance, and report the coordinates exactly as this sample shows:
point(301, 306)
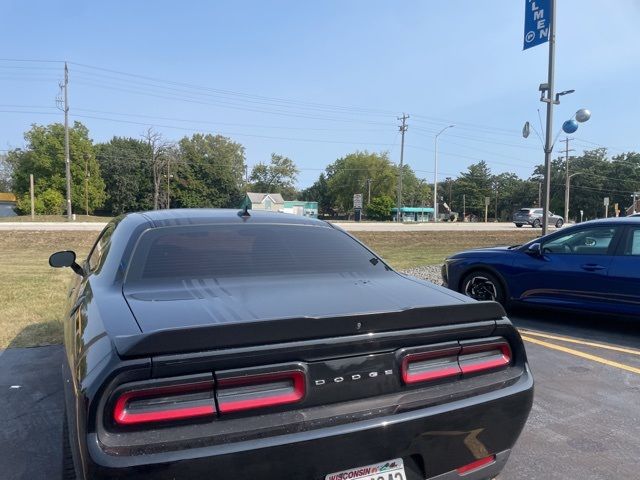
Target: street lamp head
point(570, 126)
point(583, 115)
point(566, 92)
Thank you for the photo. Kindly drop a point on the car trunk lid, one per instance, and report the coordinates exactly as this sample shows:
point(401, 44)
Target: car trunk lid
point(205, 314)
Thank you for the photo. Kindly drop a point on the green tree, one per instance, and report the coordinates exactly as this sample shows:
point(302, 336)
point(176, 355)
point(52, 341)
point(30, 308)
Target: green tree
point(49, 202)
point(124, 164)
point(279, 176)
point(475, 184)
point(208, 172)
point(319, 192)
point(416, 192)
point(44, 158)
point(6, 172)
point(380, 208)
point(356, 173)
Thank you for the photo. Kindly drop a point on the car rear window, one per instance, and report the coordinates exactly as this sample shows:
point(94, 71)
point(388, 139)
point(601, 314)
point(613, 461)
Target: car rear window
point(523, 210)
point(213, 251)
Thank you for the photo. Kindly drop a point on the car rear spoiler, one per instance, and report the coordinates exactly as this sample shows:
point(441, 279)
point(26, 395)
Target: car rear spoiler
point(263, 332)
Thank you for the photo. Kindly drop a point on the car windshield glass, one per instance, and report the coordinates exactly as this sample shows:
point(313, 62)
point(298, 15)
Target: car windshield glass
point(214, 251)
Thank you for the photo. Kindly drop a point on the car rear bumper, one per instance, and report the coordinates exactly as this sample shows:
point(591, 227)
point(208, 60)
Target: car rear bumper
point(433, 442)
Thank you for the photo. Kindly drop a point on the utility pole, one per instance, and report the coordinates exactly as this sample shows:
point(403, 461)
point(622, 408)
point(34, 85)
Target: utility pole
point(67, 160)
point(539, 194)
point(567, 178)
point(403, 128)
point(496, 203)
point(464, 207)
point(31, 193)
point(168, 177)
point(86, 184)
point(549, 100)
point(635, 194)
point(368, 191)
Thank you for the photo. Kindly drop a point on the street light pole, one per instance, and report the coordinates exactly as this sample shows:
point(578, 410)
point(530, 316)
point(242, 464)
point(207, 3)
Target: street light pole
point(435, 173)
point(548, 145)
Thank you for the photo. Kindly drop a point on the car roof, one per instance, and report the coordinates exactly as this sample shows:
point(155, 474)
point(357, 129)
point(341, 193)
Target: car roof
point(195, 216)
point(613, 221)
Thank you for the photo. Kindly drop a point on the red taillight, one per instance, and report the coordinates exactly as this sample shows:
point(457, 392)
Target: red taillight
point(481, 357)
point(162, 403)
point(434, 365)
point(477, 465)
point(470, 357)
point(261, 390)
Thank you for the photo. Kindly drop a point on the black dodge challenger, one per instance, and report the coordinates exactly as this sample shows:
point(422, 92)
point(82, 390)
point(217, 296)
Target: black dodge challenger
point(216, 344)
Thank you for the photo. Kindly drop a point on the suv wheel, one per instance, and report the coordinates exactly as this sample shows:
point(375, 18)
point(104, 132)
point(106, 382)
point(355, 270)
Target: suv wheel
point(536, 223)
point(519, 225)
point(559, 223)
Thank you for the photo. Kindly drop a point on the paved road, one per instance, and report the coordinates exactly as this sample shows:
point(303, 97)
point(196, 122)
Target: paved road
point(52, 226)
point(349, 226)
point(585, 422)
point(426, 227)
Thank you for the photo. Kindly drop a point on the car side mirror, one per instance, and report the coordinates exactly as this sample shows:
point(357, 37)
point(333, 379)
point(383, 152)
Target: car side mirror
point(534, 249)
point(66, 258)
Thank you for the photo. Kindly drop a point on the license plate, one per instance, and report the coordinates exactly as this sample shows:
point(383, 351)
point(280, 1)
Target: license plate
point(389, 470)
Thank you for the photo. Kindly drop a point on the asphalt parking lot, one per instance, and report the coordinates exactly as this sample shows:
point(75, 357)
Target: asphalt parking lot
point(585, 422)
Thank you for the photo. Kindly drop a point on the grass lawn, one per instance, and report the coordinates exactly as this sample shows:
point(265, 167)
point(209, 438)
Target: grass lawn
point(55, 218)
point(411, 249)
point(34, 294)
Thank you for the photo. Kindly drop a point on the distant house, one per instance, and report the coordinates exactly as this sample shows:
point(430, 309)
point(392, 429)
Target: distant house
point(301, 207)
point(273, 202)
point(270, 202)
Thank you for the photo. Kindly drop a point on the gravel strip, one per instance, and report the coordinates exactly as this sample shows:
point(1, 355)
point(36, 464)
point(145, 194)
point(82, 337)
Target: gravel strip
point(431, 273)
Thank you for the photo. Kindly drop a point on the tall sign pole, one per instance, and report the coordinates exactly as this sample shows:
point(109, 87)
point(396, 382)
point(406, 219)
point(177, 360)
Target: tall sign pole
point(540, 27)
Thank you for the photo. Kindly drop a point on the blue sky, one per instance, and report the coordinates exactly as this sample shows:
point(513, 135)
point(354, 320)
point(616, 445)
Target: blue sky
point(317, 80)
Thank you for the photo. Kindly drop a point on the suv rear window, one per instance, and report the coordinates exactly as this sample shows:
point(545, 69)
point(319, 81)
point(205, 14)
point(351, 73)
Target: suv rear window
point(524, 210)
point(213, 251)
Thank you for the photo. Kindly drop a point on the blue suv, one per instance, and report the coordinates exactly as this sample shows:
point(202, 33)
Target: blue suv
point(592, 266)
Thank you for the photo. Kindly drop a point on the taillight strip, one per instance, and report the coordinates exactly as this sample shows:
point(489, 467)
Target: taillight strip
point(455, 361)
point(252, 391)
point(427, 366)
point(476, 465)
point(170, 409)
point(495, 356)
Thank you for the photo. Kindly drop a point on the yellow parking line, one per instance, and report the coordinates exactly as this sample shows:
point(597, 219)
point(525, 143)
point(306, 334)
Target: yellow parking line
point(580, 342)
point(578, 353)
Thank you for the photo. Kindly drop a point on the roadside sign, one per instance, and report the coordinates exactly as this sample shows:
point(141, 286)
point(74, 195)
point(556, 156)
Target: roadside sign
point(487, 201)
point(357, 200)
point(606, 201)
point(537, 19)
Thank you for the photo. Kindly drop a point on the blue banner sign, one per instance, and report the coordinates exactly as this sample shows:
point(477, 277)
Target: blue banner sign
point(537, 22)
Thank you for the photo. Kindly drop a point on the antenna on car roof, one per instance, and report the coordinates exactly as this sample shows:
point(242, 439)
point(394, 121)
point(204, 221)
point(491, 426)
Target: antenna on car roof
point(244, 213)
